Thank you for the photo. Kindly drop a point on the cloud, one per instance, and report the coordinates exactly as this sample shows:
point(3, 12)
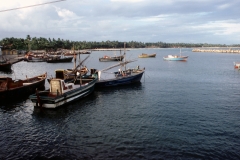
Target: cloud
point(125, 20)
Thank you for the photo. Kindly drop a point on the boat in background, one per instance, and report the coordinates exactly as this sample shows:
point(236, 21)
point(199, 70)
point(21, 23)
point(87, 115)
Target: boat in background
point(35, 59)
point(32, 57)
point(236, 65)
point(59, 59)
point(111, 58)
point(144, 55)
point(122, 76)
point(11, 90)
point(5, 65)
point(108, 58)
point(175, 57)
point(70, 74)
point(61, 92)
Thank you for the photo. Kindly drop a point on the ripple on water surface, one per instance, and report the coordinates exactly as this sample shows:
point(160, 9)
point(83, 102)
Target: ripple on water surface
point(186, 110)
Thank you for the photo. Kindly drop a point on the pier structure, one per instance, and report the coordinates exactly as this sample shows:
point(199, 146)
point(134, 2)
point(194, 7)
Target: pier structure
point(216, 50)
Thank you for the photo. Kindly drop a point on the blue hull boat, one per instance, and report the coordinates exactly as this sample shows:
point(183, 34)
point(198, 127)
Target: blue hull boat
point(121, 78)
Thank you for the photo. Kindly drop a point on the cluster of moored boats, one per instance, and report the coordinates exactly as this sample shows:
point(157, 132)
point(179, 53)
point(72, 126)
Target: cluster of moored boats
point(72, 84)
point(68, 84)
point(47, 58)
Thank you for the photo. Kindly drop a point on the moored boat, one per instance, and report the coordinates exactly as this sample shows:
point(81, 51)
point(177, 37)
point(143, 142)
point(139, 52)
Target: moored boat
point(14, 89)
point(120, 77)
point(109, 58)
point(236, 65)
point(144, 55)
point(59, 59)
point(69, 74)
point(35, 59)
point(62, 93)
point(5, 65)
point(175, 57)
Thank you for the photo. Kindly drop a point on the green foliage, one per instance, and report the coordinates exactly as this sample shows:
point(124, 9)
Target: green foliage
point(34, 43)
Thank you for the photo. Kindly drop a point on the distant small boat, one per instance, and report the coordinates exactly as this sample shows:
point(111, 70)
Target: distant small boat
point(236, 65)
point(144, 55)
point(111, 58)
point(175, 57)
point(59, 59)
point(108, 58)
point(31, 57)
point(35, 59)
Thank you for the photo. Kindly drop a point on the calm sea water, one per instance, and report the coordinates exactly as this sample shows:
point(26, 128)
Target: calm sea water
point(180, 110)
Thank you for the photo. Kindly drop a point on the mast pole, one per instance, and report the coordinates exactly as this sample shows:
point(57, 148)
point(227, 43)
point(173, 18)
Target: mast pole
point(125, 55)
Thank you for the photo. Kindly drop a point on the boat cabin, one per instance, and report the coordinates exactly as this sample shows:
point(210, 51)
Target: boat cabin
point(58, 86)
point(171, 56)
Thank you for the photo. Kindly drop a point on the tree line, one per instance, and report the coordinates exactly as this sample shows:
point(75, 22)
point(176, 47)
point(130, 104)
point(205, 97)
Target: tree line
point(53, 44)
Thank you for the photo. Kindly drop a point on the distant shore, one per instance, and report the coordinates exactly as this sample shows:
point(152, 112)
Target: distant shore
point(219, 50)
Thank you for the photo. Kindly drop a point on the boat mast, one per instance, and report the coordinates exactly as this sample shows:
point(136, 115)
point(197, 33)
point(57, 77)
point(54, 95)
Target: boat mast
point(125, 55)
point(75, 58)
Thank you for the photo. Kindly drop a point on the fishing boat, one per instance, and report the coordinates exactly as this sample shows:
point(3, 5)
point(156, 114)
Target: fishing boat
point(122, 76)
point(144, 55)
point(62, 93)
point(59, 59)
point(111, 58)
point(175, 57)
point(5, 65)
point(14, 89)
point(69, 74)
point(32, 57)
point(236, 65)
point(35, 59)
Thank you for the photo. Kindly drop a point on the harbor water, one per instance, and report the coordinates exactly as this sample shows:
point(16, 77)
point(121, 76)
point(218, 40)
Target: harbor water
point(180, 110)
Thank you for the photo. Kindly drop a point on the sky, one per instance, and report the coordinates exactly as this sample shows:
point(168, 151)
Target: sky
point(170, 21)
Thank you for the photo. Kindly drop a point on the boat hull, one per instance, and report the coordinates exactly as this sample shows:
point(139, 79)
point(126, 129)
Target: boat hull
point(175, 59)
point(108, 59)
point(120, 81)
point(61, 60)
point(54, 102)
point(22, 91)
point(5, 66)
point(36, 60)
point(147, 56)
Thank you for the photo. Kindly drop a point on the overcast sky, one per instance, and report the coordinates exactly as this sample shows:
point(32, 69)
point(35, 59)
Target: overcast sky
point(171, 21)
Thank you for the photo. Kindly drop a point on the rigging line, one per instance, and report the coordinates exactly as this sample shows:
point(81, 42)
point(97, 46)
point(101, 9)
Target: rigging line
point(30, 6)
